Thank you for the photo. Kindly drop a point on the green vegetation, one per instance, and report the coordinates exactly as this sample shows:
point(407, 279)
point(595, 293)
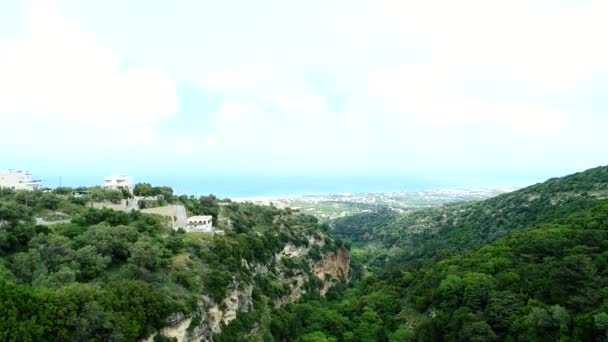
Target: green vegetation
point(531, 265)
point(145, 189)
point(100, 194)
point(369, 312)
point(110, 275)
point(527, 266)
point(545, 283)
point(452, 229)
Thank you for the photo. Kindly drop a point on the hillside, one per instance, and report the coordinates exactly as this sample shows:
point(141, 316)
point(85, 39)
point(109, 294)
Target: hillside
point(545, 280)
point(530, 265)
point(110, 275)
point(546, 283)
point(451, 229)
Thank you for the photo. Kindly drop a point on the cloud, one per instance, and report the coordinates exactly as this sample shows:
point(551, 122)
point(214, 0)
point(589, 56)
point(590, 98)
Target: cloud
point(532, 118)
point(264, 108)
point(422, 85)
point(249, 77)
point(58, 73)
point(551, 46)
point(429, 96)
point(339, 85)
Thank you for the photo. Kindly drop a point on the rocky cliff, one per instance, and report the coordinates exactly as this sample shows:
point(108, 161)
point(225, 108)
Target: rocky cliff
point(333, 267)
point(210, 317)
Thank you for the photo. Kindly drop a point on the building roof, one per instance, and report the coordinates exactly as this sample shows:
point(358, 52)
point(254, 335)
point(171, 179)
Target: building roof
point(199, 218)
point(116, 176)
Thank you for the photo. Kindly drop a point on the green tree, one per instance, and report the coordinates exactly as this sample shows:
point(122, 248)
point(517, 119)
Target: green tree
point(142, 189)
point(145, 253)
point(113, 241)
point(91, 263)
point(402, 334)
point(50, 201)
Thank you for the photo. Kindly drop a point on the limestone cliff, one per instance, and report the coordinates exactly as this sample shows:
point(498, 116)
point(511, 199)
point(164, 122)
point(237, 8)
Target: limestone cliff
point(210, 317)
point(336, 265)
point(333, 263)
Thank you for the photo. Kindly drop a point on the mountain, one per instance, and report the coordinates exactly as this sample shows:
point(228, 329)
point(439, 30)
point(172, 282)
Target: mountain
point(126, 276)
point(533, 267)
point(546, 283)
point(451, 229)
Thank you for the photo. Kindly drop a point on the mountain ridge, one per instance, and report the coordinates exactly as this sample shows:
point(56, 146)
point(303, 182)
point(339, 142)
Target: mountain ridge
point(455, 228)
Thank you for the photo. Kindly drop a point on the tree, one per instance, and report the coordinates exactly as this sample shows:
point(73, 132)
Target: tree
point(113, 241)
point(502, 307)
point(12, 213)
point(55, 250)
point(91, 263)
point(102, 194)
point(142, 189)
point(369, 326)
point(50, 201)
point(316, 336)
point(145, 253)
point(402, 334)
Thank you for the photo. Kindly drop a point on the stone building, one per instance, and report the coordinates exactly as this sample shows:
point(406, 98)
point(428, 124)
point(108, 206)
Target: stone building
point(118, 182)
point(18, 180)
point(200, 224)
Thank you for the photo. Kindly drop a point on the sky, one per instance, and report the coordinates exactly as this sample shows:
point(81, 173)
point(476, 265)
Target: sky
point(502, 92)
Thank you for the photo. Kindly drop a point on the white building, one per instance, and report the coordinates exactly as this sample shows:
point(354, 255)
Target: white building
point(118, 182)
point(200, 224)
point(18, 180)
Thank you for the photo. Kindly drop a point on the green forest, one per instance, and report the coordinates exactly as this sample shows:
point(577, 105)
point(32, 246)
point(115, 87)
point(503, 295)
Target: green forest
point(530, 265)
point(115, 276)
point(542, 283)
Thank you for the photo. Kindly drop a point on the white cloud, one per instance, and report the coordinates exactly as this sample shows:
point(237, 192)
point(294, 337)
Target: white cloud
point(550, 46)
point(531, 118)
point(250, 77)
point(424, 93)
point(239, 124)
point(264, 108)
point(426, 96)
point(266, 85)
point(386, 84)
point(58, 73)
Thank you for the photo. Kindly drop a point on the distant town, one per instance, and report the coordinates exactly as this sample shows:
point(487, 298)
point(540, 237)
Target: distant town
point(328, 207)
point(324, 207)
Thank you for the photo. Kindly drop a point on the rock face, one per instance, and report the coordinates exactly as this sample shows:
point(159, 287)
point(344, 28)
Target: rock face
point(332, 268)
point(337, 265)
point(208, 319)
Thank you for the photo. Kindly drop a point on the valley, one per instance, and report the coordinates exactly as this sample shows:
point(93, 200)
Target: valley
point(528, 264)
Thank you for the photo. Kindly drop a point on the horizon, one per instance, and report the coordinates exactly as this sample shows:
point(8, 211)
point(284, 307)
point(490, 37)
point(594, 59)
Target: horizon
point(269, 186)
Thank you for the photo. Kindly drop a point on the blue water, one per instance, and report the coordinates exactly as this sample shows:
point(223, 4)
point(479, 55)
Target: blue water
point(302, 184)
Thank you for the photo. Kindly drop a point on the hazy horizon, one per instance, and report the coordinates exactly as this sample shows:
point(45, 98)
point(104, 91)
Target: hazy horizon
point(272, 185)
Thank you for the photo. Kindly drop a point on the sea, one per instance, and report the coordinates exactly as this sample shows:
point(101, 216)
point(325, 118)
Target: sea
point(278, 185)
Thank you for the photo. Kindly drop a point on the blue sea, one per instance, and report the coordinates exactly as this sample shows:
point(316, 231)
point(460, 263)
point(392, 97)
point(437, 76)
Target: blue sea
point(250, 185)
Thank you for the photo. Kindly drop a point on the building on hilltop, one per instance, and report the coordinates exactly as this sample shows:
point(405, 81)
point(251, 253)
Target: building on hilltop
point(18, 180)
point(202, 224)
point(118, 182)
